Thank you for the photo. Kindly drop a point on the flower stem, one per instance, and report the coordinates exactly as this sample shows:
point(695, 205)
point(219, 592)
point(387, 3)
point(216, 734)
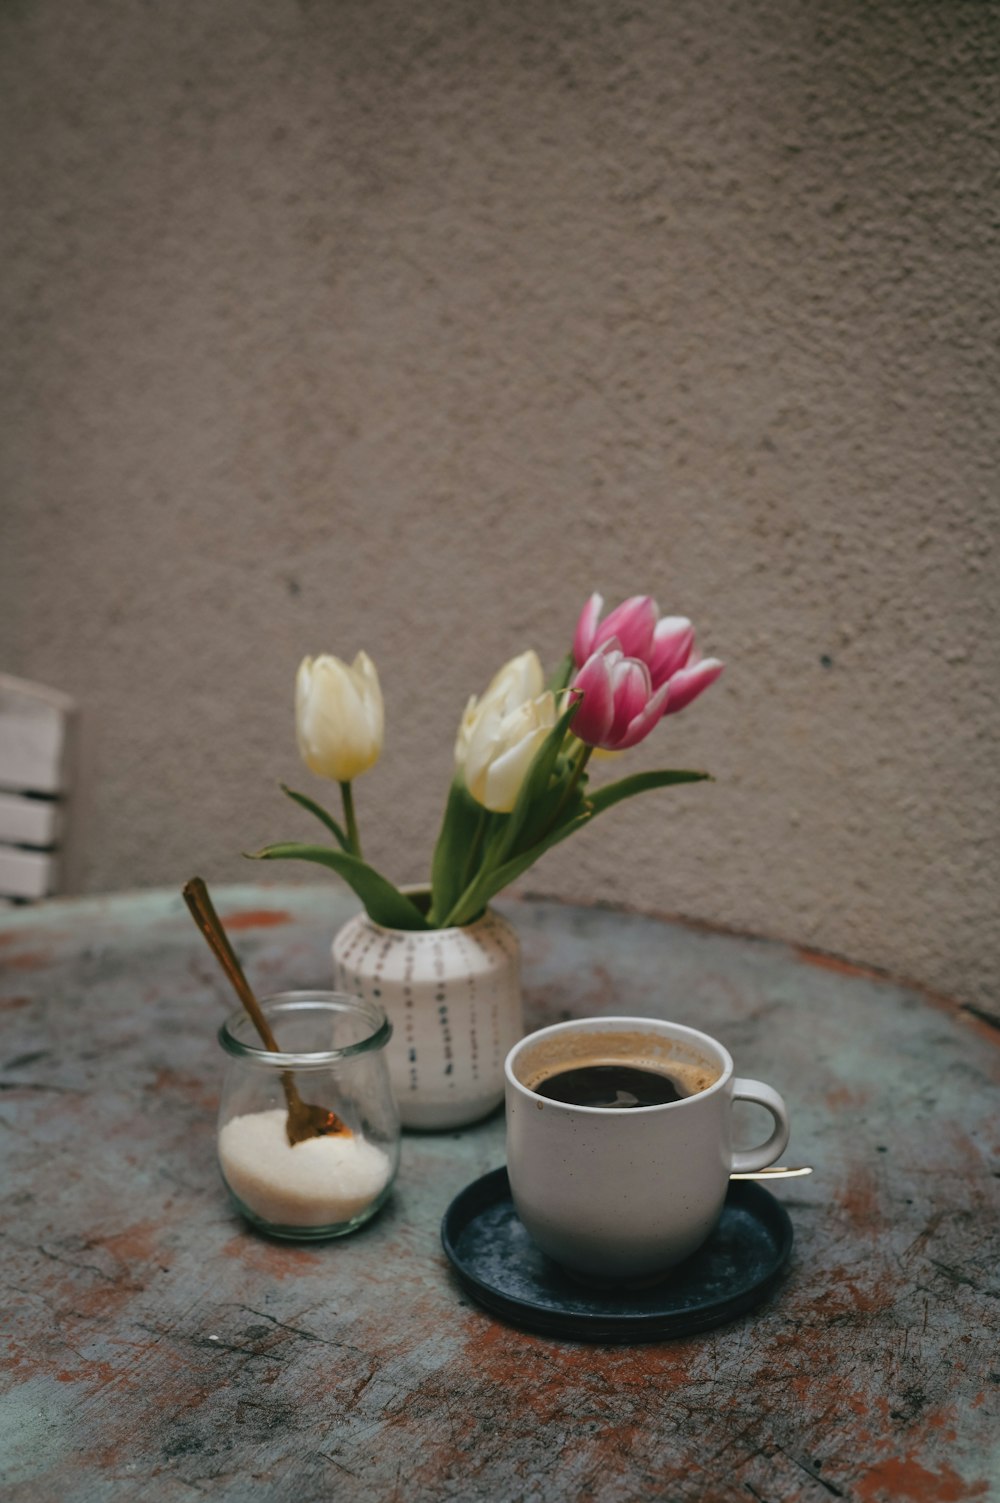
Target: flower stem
point(585, 754)
point(353, 842)
point(472, 870)
point(475, 848)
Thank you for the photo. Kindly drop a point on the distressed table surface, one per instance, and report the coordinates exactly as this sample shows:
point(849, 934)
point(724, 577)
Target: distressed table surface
point(157, 1348)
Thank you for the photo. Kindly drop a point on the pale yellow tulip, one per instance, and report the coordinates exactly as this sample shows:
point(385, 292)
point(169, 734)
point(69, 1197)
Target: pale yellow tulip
point(339, 716)
point(517, 681)
point(501, 748)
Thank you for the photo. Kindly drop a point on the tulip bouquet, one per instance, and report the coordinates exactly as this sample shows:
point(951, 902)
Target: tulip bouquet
point(521, 756)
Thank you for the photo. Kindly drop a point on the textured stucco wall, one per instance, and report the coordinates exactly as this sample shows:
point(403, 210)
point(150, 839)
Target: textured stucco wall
point(349, 322)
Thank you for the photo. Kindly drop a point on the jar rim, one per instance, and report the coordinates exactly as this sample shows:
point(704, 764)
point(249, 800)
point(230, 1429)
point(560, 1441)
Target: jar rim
point(283, 1003)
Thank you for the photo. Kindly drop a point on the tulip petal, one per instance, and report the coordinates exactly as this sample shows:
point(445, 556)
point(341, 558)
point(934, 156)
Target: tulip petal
point(509, 770)
point(465, 731)
point(648, 717)
point(631, 689)
point(686, 685)
point(586, 626)
point(521, 679)
point(593, 719)
point(633, 623)
point(482, 745)
point(365, 680)
point(673, 639)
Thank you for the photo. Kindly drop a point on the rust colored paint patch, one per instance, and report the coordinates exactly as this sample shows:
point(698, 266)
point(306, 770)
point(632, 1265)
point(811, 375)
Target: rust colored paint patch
point(20, 1358)
point(11, 1004)
point(31, 960)
point(837, 964)
point(502, 1356)
point(860, 1198)
point(94, 1374)
point(277, 1262)
point(844, 1098)
point(822, 961)
point(848, 1292)
point(92, 1278)
point(893, 1481)
point(137, 1244)
point(189, 1088)
point(256, 918)
point(986, 1029)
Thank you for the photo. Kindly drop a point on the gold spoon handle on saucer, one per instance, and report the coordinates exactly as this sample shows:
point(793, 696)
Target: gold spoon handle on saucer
point(777, 1171)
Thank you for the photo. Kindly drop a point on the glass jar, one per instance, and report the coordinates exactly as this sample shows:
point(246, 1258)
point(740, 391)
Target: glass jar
point(333, 1048)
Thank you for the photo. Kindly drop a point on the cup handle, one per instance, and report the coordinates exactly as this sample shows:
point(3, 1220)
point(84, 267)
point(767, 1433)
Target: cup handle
point(753, 1159)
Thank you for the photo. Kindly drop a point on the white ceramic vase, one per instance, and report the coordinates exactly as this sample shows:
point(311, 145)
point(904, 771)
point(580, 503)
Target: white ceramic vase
point(453, 997)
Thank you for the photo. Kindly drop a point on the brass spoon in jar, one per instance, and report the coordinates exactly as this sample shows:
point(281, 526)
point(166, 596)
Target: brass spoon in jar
point(304, 1120)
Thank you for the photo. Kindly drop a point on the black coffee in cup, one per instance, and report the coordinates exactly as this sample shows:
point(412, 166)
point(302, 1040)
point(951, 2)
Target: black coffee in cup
point(615, 1086)
point(614, 1071)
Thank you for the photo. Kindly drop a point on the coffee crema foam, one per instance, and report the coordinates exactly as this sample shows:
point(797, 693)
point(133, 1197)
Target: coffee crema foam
point(643, 1051)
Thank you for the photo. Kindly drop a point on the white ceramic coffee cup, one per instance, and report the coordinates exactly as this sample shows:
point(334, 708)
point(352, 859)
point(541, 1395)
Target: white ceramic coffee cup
point(615, 1194)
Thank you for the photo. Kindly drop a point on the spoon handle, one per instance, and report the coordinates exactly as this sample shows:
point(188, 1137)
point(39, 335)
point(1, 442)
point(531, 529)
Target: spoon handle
point(304, 1119)
point(204, 914)
point(778, 1171)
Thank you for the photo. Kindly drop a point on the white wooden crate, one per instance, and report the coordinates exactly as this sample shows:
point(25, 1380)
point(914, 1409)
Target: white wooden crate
point(36, 725)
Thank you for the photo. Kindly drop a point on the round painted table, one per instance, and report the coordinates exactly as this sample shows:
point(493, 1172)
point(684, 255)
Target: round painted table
point(158, 1348)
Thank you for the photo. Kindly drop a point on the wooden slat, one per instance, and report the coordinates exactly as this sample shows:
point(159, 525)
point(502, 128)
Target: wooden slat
point(33, 732)
point(28, 821)
point(26, 874)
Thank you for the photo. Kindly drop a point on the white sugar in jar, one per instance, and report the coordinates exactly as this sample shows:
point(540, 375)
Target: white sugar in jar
point(321, 1182)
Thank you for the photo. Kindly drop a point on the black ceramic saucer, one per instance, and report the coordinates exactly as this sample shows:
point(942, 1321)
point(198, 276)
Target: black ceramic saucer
point(499, 1265)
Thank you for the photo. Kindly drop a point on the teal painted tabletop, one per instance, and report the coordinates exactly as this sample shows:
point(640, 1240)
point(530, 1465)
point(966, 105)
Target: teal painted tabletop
point(156, 1347)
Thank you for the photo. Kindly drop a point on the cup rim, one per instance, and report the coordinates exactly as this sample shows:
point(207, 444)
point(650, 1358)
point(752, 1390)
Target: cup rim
point(283, 1003)
point(616, 1024)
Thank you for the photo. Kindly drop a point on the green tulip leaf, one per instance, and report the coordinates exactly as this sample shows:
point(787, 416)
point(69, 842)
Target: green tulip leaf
point(535, 785)
point(640, 782)
point(490, 882)
point(580, 810)
point(383, 902)
point(558, 804)
point(320, 813)
point(459, 844)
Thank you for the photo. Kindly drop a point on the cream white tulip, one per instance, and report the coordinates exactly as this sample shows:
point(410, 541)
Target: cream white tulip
point(517, 681)
point(339, 716)
point(501, 748)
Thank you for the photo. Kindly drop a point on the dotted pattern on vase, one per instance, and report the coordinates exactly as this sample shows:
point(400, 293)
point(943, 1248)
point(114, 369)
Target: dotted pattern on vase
point(410, 1033)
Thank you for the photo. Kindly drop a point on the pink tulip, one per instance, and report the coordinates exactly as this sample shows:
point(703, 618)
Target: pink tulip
point(632, 623)
point(618, 704)
point(665, 644)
